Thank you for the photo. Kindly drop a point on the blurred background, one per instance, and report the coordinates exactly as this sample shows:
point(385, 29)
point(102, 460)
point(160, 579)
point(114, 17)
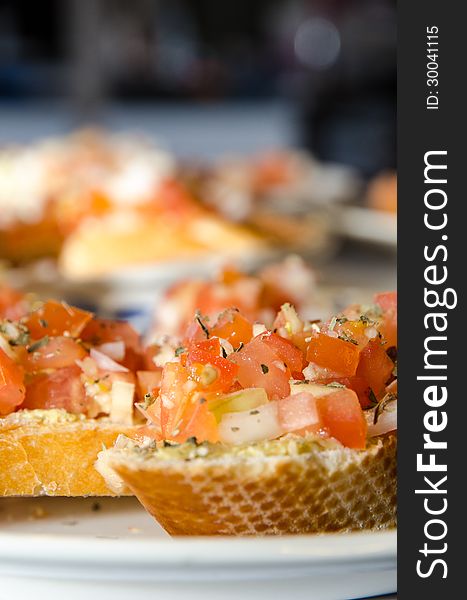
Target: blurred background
point(311, 81)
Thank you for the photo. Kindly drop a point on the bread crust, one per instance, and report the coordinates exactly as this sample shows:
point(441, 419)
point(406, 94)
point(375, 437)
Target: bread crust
point(323, 490)
point(52, 453)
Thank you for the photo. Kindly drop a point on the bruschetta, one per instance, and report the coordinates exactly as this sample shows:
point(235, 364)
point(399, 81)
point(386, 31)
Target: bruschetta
point(257, 431)
point(68, 383)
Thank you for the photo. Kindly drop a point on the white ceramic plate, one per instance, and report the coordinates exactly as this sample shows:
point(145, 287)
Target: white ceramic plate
point(367, 225)
point(65, 548)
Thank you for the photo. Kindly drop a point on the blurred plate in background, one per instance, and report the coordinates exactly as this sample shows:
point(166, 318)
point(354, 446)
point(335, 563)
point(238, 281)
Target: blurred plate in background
point(367, 225)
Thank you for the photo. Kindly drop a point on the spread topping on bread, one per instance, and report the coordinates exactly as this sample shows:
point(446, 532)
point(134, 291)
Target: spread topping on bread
point(56, 356)
point(231, 382)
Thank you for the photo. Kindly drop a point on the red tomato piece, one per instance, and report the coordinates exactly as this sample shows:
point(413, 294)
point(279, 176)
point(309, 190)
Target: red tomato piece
point(202, 358)
point(12, 389)
point(148, 382)
point(285, 350)
point(169, 406)
point(101, 331)
point(259, 366)
point(343, 418)
point(149, 353)
point(357, 384)
point(334, 354)
point(13, 305)
point(198, 422)
point(299, 413)
point(56, 318)
point(199, 351)
point(174, 414)
point(62, 388)
point(388, 303)
point(234, 328)
point(57, 353)
point(375, 367)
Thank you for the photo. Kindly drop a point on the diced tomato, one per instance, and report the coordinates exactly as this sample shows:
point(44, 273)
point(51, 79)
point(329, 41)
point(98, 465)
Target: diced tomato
point(212, 372)
point(334, 354)
point(301, 340)
point(388, 303)
point(169, 406)
point(260, 366)
point(355, 330)
point(195, 331)
point(299, 413)
point(12, 303)
point(285, 350)
point(56, 318)
point(101, 331)
point(56, 353)
point(62, 388)
point(233, 327)
point(359, 385)
point(197, 422)
point(204, 350)
point(148, 382)
point(177, 414)
point(148, 357)
point(12, 388)
point(343, 418)
point(375, 367)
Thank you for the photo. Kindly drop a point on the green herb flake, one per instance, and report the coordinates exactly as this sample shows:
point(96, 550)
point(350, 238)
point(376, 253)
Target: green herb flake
point(373, 400)
point(180, 350)
point(39, 344)
point(202, 325)
point(265, 369)
point(381, 406)
point(345, 337)
point(335, 384)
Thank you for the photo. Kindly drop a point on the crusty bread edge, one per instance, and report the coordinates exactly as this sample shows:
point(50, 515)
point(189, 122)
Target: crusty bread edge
point(335, 489)
point(52, 453)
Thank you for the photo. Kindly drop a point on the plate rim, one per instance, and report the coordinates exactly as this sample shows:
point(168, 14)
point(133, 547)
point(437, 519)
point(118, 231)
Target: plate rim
point(319, 550)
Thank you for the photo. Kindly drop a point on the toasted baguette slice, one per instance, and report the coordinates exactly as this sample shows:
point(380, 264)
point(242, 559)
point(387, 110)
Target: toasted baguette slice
point(101, 247)
point(52, 453)
point(287, 486)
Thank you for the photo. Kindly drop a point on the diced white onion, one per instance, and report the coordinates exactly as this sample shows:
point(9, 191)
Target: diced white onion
point(387, 420)
point(5, 346)
point(258, 328)
point(251, 426)
point(371, 332)
point(105, 363)
point(317, 390)
point(293, 321)
point(122, 395)
point(165, 354)
point(116, 350)
point(88, 366)
point(227, 346)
